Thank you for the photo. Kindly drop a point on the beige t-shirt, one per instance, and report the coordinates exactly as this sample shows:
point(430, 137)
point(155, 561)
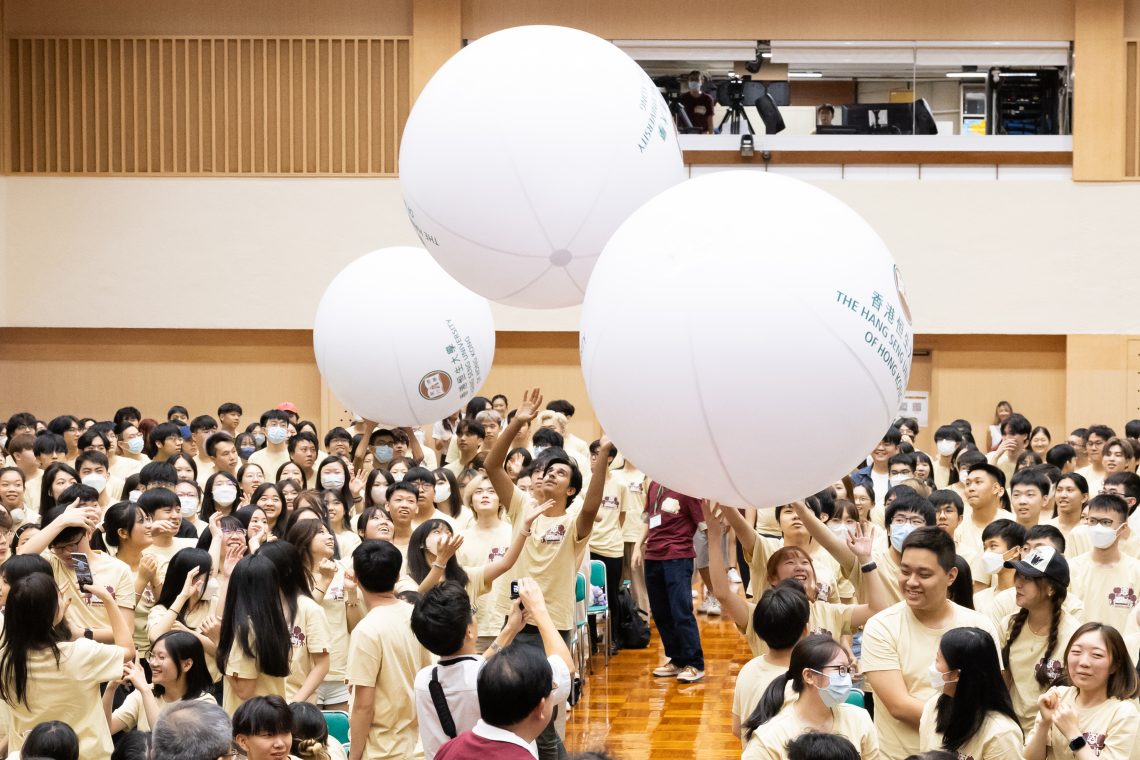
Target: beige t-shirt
point(1112, 729)
point(69, 692)
point(634, 506)
point(826, 567)
point(769, 741)
point(163, 554)
point(607, 537)
point(823, 617)
point(87, 611)
point(481, 546)
point(384, 654)
point(1095, 479)
point(192, 619)
point(132, 714)
point(550, 556)
point(270, 462)
point(308, 635)
point(124, 467)
point(751, 683)
point(968, 538)
point(894, 639)
point(1003, 603)
point(1109, 592)
point(1025, 658)
point(1076, 540)
point(999, 737)
point(238, 665)
point(336, 618)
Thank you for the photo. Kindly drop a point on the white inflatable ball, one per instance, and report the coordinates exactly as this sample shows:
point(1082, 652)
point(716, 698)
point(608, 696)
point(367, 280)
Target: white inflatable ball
point(753, 361)
point(525, 152)
point(388, 357)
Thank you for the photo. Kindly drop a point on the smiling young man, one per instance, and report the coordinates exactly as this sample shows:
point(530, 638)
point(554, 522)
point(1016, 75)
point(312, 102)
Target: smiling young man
point(1029, 492)
point(900, 643)
point(1094, 471)
point(985, 493)
point(877, 474)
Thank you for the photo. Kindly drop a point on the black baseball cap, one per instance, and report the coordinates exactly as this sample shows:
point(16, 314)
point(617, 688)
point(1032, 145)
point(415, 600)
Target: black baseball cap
point(1043, 562)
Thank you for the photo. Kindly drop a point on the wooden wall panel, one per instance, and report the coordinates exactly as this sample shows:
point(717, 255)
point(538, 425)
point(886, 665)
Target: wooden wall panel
point(194, 106)
point(1099, 91)
point(1099, 374)
point(437, 28)
point(1132, 109)
point(783, 19)
point(209, 17)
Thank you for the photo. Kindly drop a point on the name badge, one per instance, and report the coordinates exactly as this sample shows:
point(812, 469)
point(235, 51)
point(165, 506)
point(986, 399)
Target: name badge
point(654, 521)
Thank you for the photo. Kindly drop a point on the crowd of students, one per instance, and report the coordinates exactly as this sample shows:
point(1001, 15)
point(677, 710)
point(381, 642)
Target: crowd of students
point(978, 599)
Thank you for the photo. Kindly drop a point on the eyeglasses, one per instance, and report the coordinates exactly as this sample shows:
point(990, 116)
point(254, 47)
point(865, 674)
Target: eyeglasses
point(917, 521)
point(842, 670)
point(1094, 444)
point(1104, 522)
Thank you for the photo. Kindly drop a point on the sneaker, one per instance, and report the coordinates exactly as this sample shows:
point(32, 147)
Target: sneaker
point(695, 595)
point(690, 675)
point(713, 606)
point(704, 608)
point(733, 575)
point(668, 670)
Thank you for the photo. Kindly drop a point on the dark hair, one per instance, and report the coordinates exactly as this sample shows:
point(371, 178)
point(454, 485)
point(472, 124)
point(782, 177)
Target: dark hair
point(49, 443)
point(547, 437)
point(1109, 502)
point(209, 506)
point(512, 684)
point(944, 496)
point(183, 561)
point(1016, 424)
point(160, 434)
point(283, 518)
point(1060, 455)
point(158, 498)
point(292, 578)
point(933, 540)
point(811, 653)
point(910, 502)
point(1122, 681)
point(263, 715)
point(980, 689)
point(816, 746)
point(377, 565)
point(475, 405)
point(1103, 431)
point(454, 502)
point(310, 730)
point(1050, 533)
point(47, 501)
point(400, 485)
point(419, 567)
point(440, 618)
point(470, 427)
point(961, 590)
point(782, 615)
point(158, 472)
point(378, 473)
point(20, 419)
point(575, 476)
point(274, 414)
point(182, 646)
point(251, 606)
point(301, 534)
point(88, 438)
point(1078, 480)
point(1030, 476)
point(1012, 533)
point(948, 432)
point(119, 516)
point(22, 565)
point(345, 490)
point(1129, 481)
point(34, 601)
point(905, 459)
point(51, 739)
point(177, 409)
point(132, 745)
point(562, 406)
point(964, 459)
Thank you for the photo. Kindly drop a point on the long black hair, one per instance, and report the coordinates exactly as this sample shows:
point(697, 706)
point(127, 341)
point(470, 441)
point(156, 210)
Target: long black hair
point(250, 607)
point(961, 591)
point(345, 492)
point(812, 652)
point(54, 739)
point(33, 601)
point(292, 579)
point(209, 506)
point(300, 536)
point(120, 516)
point(278, 528)
point(180, 566)
point(419, 567)
point(980, 689)
point(181, 646)
point(47, 500)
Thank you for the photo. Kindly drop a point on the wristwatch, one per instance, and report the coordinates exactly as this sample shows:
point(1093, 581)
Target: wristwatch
point(1076, 745)
point(88, 633)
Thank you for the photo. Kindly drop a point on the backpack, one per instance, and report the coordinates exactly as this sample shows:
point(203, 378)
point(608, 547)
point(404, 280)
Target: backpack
point(631, 631)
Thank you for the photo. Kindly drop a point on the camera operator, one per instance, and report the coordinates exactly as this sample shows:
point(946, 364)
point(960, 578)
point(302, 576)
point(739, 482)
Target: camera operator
point(698, 105)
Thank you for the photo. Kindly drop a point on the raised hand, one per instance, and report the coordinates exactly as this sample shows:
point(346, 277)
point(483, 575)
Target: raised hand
point(534, 512)
point(447, 548)
point(860, 542)
point(530, 406)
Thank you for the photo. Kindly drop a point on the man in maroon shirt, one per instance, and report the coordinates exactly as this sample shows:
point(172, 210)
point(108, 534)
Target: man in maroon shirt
point(667, 549)
point(698, 105)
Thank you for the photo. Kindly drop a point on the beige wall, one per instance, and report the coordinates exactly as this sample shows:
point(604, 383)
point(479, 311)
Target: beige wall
point(961, 246)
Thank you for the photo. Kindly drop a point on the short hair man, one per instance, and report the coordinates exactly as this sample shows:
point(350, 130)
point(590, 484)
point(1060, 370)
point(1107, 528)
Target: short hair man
point(192, 730)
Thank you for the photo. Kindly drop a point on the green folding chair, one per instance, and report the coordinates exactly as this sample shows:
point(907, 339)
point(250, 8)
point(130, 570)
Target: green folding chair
point(600, 611)
point(338, 726)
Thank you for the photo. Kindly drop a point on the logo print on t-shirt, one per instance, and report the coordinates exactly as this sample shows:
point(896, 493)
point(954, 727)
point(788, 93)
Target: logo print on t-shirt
point(1096, 741)
point(822, 591)
point(336, 594)
point(824, 631)
point(554, 535)
point(496, 552)
point(1051, 670)
point(635, 488)
point(609, 502)
point(296, 637)
point(1123, 597)
point(965, 757)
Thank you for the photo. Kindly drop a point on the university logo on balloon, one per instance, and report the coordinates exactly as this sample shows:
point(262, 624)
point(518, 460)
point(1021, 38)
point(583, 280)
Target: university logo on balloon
point(518, 200)
point(752, 342)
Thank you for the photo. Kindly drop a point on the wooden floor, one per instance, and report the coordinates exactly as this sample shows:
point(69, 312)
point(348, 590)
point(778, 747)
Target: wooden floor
point(634, 716)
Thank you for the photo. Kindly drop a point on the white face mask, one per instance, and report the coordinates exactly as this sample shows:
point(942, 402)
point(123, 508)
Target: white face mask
point(898, 479)
point(1102, 537)
point(17, 515)
point(96, 481)
point(225, 495)
point(133, 496)
point(135, 445)
point(333, 482)
point(946, 447)
point(539, 449)
point(962, 475)
point(937, 678)
point(694, 86)
point(442, 493)
point(993, 561)
point(840, 530)
point(189, 506)
point(277, 435)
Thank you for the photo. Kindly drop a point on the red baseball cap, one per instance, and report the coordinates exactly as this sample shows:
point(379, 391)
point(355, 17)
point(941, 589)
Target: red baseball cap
point(287, 406)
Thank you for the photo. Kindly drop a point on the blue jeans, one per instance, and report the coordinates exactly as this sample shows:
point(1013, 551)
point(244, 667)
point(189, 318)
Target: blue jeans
point(670, 586)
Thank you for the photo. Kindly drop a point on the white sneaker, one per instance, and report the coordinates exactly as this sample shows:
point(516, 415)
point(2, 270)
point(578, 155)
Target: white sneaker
point(713, 606)
point(704, 608)
point(695, 594)
point(733, 575)
point(689, 674)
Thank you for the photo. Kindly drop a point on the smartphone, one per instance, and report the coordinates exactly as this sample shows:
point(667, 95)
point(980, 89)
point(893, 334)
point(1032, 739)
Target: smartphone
point(82, 570)
point(514, 589)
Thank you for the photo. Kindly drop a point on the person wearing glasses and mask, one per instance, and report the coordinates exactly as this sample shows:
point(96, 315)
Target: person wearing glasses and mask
point(698, 105)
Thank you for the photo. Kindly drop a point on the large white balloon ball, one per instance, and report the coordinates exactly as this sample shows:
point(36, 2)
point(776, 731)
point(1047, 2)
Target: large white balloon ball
point(754, 359)
point(525, 152)
point(399, 340)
